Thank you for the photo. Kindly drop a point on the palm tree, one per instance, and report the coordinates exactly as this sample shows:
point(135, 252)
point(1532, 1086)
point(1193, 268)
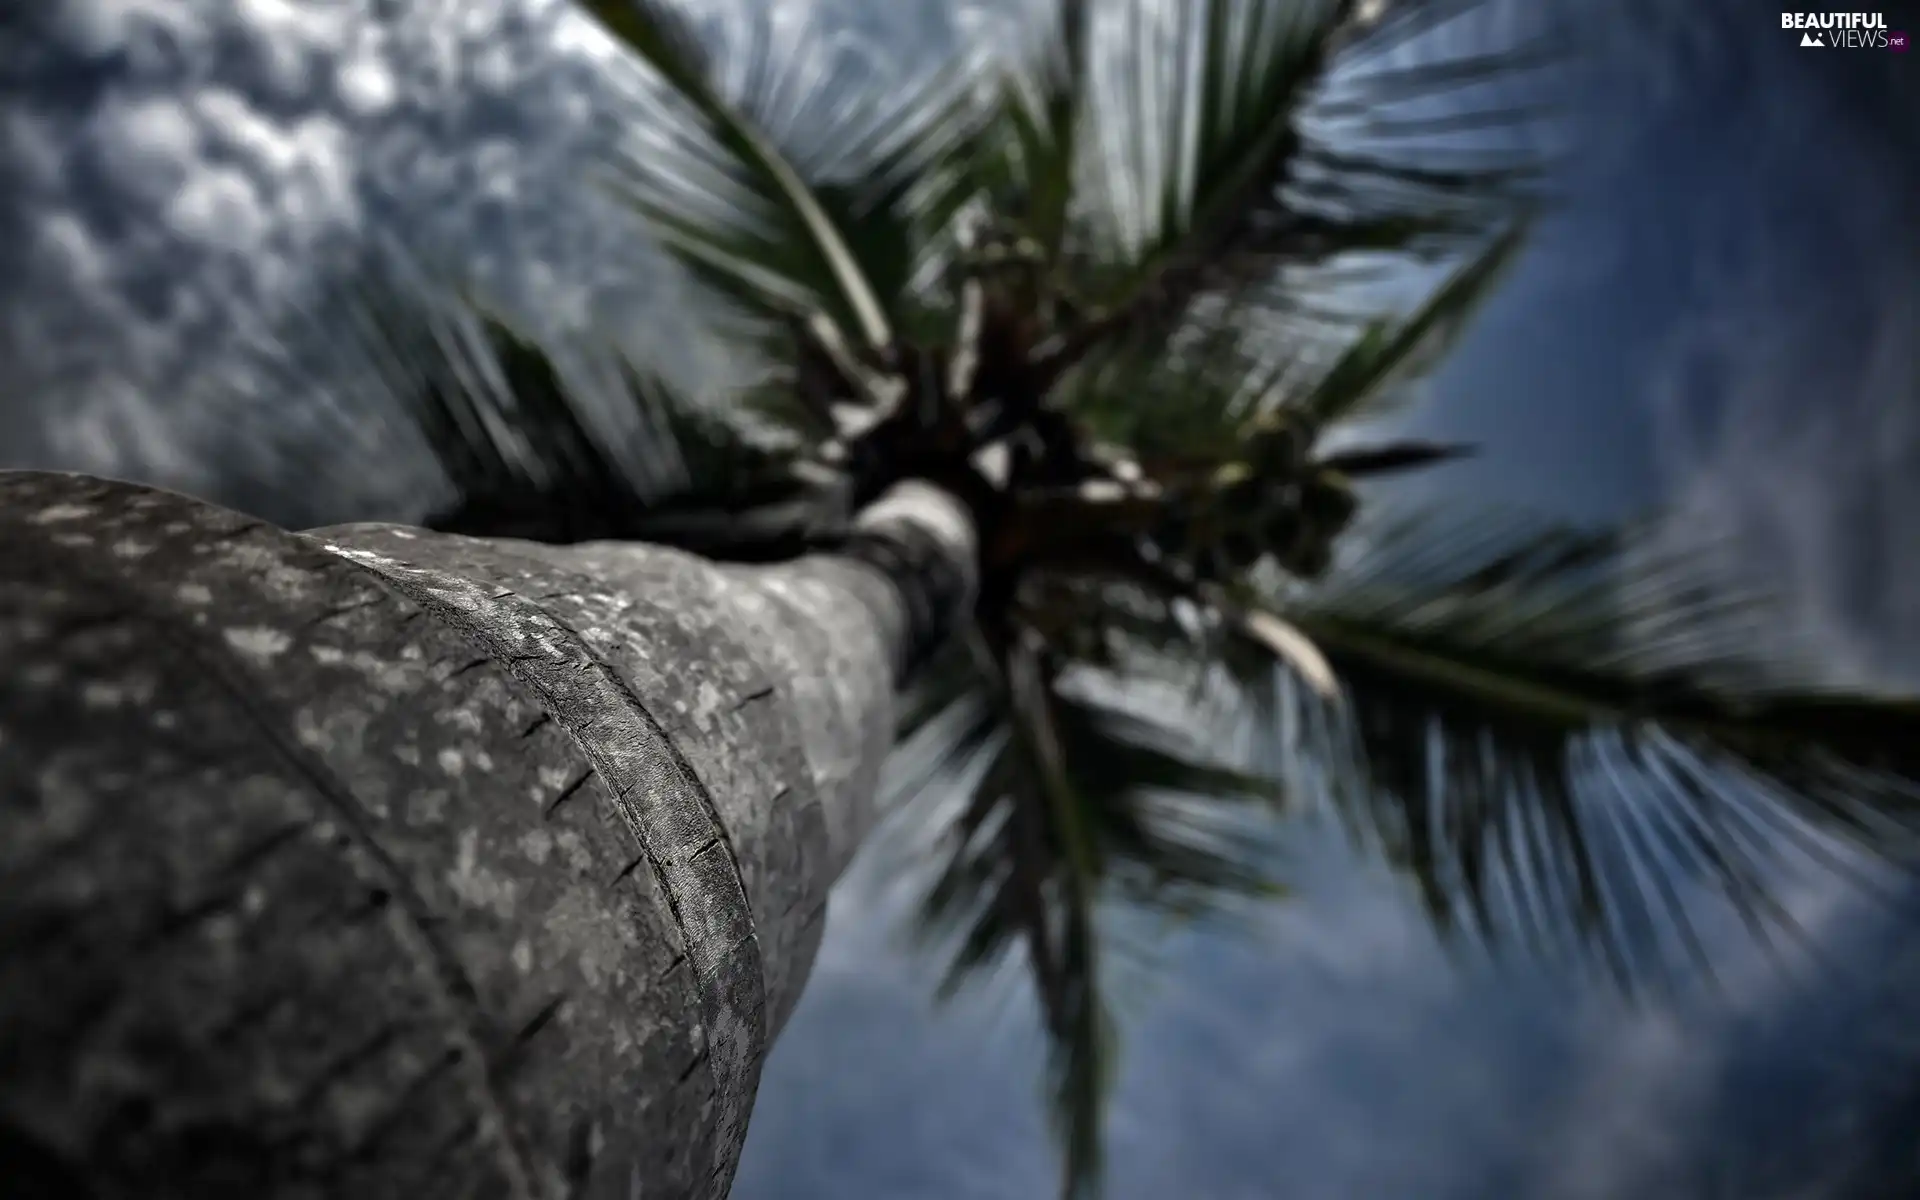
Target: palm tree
point(1112, 295)
point(1062, 362)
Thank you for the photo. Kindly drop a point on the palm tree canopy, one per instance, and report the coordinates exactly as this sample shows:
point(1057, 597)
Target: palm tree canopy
point(1116, 293)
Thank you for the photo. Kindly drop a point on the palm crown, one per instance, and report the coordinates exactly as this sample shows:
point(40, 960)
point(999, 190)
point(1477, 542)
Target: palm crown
point(1105, 293)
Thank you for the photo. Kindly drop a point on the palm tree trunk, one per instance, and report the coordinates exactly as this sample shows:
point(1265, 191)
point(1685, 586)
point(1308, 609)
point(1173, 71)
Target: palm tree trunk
point(378, 862)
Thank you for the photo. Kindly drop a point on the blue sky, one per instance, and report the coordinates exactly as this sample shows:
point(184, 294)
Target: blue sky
point(1722, 319)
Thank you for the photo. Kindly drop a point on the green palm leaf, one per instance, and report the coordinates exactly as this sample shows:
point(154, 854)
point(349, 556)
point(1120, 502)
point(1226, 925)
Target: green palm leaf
point(1565, 739)
point(541, 445)
point(1360, 381)
point(788, 257)
point(1026, 156)
point(1180, 400)
point(1206, 172)
point(1066, 802)
point(1191, 397)
point(733, 497)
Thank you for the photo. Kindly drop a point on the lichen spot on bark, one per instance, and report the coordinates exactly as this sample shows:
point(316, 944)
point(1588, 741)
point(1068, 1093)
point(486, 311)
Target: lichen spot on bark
point(258, 643)
point(54, 514)
point(137, 689)
point(536, 844)
point(552, 780)
point(574, 847)
point(478, 886)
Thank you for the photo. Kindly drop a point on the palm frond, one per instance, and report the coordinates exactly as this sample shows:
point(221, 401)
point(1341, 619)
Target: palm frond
point(1564, 739)
point(732, 205)
point(1361, 381)
point(1208, 169)
point(735, 497)
point(1291, 647)
point(1066, 801)
point(1391, 457)
point(1191, 397)
point(1185, 399)
point(538, 445)
point(1027, 155)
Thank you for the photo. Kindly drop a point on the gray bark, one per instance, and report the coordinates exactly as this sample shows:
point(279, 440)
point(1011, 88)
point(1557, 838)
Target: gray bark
point(378, 862)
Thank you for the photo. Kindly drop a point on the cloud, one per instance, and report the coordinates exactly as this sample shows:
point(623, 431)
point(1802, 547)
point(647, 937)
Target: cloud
point(1782, 401)
point(1645, 1109)
point(183, 170)
point(1786, 400)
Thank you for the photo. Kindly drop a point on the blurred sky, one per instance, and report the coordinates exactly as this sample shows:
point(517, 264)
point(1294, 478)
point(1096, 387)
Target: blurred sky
point(1722, 319)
